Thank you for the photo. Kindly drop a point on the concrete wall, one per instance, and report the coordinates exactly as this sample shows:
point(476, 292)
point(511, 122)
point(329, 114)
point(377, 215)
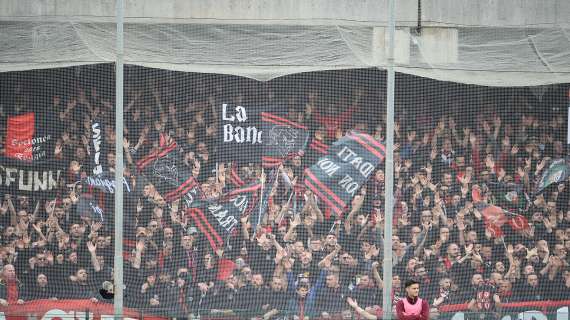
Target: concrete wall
point(496, 13)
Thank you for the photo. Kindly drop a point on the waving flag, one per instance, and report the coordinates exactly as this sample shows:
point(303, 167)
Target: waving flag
point(495, 217)
point(235, 177)
point(282, 139)
point(218, 220)
point(350, 162)
point(316, 149)
point(557, 172)
point(167, 172)
point(513, 199)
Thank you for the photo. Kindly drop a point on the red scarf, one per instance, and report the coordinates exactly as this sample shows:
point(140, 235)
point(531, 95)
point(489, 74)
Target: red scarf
point(12, 291)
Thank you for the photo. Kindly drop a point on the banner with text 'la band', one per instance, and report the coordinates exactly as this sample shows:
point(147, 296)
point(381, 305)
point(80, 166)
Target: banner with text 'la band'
point(240, 133)
point(254, 134)
point(337, 177)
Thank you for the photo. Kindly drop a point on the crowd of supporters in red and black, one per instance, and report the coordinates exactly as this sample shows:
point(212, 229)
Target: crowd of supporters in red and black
point(303, 259)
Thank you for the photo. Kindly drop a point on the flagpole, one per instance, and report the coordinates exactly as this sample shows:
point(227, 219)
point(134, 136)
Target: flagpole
point(261, 196)
point(282, 215)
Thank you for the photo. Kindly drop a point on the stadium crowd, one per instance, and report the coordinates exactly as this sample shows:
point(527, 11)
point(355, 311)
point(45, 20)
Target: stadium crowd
point(303, 259)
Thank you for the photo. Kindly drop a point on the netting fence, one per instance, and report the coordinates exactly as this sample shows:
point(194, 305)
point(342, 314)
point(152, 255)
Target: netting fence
point(266, 199)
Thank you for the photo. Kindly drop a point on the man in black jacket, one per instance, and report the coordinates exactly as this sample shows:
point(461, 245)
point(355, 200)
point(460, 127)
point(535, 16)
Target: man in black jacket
point(532, 289)
point(81, 286)
point(330, 299)
point(276, 298)
point(254, 295)
point(42, 289)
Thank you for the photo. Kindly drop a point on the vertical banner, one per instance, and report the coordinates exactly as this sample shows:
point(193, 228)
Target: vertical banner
point(97, 138)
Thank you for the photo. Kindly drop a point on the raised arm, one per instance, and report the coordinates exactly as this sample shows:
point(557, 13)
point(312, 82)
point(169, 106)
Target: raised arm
point(361, 312)
point(357, 203)
point(93, 252)
point(376, 275)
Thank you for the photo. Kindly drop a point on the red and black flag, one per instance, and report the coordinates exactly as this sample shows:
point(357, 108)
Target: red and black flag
point(319, 147)
point(235, 178)
point(28, 137)
point(282, 139)
point(165, 169)
point(337, 177)
point(316, 149)
point(218, 220)
point(496, 217)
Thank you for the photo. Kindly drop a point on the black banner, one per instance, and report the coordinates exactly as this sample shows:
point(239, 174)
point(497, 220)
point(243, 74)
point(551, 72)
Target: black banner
point(241, 133)
point(282, 139)
point(168, 173)
point(336, 177)
point(26, 178)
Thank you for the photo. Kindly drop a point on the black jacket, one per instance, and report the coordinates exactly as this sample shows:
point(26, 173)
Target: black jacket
point(37, 293)
point(331, 300)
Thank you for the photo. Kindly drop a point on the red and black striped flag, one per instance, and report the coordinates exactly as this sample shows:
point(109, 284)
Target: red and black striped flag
point(218, 220)
point(165, 169)
point(282, 139)
point(350, 162)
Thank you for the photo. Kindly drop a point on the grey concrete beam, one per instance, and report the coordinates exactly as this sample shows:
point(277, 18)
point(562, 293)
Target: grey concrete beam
point(492, 13)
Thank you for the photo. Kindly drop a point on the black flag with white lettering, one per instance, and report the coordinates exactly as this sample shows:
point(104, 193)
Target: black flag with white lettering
point(336, 177)
point(282, 139)
point(240, 133)
point(218, 220)
point(165, 169)
point(96, 147)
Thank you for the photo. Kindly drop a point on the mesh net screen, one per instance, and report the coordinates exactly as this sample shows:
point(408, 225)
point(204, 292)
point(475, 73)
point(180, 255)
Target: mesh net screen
point(247, 199)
